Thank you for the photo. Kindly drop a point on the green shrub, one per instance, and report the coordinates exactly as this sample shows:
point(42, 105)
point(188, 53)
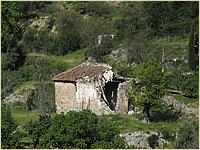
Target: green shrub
point(97, 8)
point(190, 86)
point(167, 134)
point(188, 135)
point(19, 106)
point(164, 113)
point(153, 140)
point(74, 130)
point(42, 98)
point(38, 128)
point(7, 127)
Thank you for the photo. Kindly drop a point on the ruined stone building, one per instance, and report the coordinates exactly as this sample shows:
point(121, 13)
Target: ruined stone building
point(91, 86)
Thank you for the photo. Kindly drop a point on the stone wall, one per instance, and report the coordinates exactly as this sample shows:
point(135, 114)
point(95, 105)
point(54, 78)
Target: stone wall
point(180, 106)
point(65, 97)
point(122, 99)
point(88, 95)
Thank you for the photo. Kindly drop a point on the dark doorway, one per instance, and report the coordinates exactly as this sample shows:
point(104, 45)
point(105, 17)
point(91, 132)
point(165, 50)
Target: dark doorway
point(110, 90)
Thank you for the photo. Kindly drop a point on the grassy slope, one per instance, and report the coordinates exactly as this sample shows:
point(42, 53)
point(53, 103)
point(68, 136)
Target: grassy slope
point(22, 116)
point(68, 61)
point(174, 47)
point(132, 123)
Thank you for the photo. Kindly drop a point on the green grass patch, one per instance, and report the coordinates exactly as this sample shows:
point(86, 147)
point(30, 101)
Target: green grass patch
point(72, 59)
point(132, 123)
point(172, 41)
point(22, 116)
point(30, 85)
point(68, 61)
point(173, 47)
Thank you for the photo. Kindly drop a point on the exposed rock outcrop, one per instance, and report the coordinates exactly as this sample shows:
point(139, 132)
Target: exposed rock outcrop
point(19, 97)
point(140, 139)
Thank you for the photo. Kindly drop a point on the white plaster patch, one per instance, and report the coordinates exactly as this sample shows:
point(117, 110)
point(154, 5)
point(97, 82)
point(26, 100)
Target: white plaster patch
point(85, 94)
point(108, 76)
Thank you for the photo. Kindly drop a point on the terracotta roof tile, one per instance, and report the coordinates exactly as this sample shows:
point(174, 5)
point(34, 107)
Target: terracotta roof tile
point(86, 69)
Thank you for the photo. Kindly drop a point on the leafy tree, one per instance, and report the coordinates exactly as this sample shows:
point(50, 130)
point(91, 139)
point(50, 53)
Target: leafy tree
point(30, 9)
point(131, 21)
point(170, 18)
point(10, 25)
point(188, 135)
point(35, 40)
point(12, 29)
point(77, 6)
point(149, 86)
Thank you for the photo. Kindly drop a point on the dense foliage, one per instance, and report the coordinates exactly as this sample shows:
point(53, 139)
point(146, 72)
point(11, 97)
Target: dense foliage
point(166, 18)
point(8, 127)
point(14, 20)
point(185, 82)
point(42, 98)
point(72, 130)
point(162, 112)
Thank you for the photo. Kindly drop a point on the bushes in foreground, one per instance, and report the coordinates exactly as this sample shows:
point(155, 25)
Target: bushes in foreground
point(80, 130)
point(72, 130)
point(8, 127)
point(188, 135)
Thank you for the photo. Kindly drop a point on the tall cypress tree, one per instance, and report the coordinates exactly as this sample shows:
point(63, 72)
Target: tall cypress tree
point(193, 49)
